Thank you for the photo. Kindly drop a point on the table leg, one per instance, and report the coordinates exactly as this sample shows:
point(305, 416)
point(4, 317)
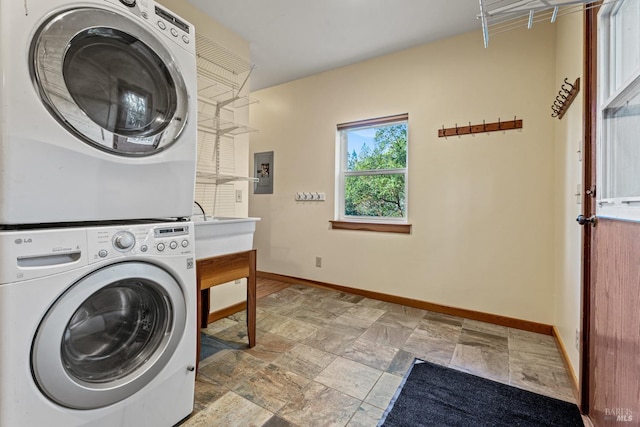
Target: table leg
point(204, 308)
point(198, 311)
point(251, 299)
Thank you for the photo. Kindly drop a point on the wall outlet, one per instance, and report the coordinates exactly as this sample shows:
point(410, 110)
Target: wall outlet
point(579, 194)
point(577, 339)
point(318, 261)
point(238, 196)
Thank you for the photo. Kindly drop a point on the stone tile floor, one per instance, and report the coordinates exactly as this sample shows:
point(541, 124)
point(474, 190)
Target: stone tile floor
point(325, 358)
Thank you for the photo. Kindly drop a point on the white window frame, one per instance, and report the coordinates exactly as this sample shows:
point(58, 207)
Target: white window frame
point(342, 173)
point(609, 96)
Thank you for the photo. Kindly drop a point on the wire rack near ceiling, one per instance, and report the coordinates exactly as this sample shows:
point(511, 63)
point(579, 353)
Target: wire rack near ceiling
point(220, 64)
point(499, 16)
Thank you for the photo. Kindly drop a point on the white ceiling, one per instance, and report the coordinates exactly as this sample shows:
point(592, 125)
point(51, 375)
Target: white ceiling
point(291, 39)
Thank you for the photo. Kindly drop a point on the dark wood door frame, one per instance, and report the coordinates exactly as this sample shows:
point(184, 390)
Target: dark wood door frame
point(589, 184)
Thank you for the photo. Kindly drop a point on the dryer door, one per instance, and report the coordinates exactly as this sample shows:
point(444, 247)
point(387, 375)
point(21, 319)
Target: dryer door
point(108, 335)
point(110, 81)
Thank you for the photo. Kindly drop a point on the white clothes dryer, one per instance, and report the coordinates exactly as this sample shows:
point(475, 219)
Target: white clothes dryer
point(98, 325)
point(98, 111)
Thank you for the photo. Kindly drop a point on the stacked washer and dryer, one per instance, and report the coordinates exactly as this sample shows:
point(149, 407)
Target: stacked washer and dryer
point(97, 169)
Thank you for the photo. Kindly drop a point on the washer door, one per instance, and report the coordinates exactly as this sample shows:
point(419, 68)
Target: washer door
point(108, 335)
point(109, 81)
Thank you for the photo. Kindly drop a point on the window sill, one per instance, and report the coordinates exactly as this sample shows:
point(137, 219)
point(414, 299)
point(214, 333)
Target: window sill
point(371, 226)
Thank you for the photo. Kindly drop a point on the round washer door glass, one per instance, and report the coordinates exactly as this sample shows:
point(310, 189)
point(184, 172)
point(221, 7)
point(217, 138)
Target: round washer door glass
point(110, 81)
point(115, 331)
point(108, 335)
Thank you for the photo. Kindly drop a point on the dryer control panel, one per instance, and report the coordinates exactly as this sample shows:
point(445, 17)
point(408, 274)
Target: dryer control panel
point(168, 23)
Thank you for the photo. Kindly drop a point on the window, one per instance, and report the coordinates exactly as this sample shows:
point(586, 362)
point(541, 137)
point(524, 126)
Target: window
point(372, 170)
point(619, 111)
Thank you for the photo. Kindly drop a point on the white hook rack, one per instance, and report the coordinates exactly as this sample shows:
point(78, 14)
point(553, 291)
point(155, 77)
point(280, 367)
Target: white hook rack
point(310, 196)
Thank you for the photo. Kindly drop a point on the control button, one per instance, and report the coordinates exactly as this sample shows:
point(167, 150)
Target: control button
point(123, 241)
point(174, 32)
point(145, 15)
point(173, 244)
point(185, 39)
point(144, 248)
point(160, 247)
point(102, 253)
point(162, 25)
point(185, 243)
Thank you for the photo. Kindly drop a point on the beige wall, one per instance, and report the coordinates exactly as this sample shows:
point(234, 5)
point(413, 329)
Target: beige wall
point(568, 167)
point(481, 206)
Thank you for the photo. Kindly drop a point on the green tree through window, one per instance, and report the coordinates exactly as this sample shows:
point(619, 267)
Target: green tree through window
point(375, 176)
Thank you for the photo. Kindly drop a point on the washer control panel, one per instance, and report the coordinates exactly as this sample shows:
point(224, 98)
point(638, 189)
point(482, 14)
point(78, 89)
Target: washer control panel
point(147, 239)
point(123, 241)
point(30, 254)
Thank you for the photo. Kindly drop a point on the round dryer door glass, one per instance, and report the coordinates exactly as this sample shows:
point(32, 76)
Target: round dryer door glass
point(121, 84)
point(110, 81)
point(109, 335)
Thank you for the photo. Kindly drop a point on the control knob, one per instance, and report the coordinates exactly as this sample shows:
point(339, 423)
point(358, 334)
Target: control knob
point(129, 3)
point(123, 241)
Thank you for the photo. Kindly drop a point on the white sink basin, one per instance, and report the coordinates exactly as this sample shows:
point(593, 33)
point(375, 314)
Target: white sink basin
point(223, 235)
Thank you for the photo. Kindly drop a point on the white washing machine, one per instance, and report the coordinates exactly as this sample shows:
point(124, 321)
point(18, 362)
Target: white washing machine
point(98, 111)
point(98, 325)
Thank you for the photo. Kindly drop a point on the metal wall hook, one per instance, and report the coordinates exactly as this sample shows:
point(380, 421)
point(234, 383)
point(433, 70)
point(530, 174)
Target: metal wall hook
point(566, 81)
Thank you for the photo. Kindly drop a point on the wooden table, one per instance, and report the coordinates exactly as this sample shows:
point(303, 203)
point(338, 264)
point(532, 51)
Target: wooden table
point(221, 269)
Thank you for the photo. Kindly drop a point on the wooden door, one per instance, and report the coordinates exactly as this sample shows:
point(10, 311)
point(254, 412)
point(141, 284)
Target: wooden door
point(610, 371)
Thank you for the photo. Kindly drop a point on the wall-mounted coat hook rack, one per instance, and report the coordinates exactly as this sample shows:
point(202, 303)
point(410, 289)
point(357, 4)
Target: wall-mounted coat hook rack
point(565, 97)
point(484, 127)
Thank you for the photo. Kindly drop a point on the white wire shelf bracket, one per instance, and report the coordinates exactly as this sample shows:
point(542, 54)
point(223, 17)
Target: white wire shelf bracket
point(227, 99)
point(499, 16)
point(219, 179)
point(215, 126)
point(213, 93)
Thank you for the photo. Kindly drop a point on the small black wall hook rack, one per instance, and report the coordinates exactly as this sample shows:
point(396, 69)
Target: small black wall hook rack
point(565, 97)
